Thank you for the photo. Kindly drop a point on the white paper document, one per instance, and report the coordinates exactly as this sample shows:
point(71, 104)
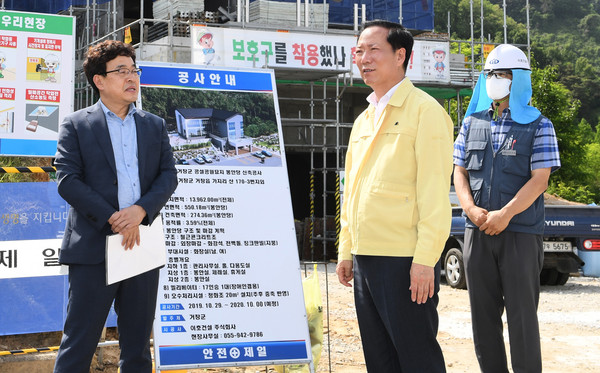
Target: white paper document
point(122, 264)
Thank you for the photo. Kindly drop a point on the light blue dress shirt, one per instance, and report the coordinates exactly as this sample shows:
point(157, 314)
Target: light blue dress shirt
point(123, 137)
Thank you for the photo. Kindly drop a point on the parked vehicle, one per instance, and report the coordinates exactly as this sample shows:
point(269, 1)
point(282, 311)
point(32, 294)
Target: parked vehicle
point(259, 155)
point(199, 160)
point(267, 153)
point(206, 158)
point(566, 230)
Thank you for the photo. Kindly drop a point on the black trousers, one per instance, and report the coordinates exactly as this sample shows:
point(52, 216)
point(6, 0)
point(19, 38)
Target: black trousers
point(89, 303)
point(503, 271)
point(398, 335)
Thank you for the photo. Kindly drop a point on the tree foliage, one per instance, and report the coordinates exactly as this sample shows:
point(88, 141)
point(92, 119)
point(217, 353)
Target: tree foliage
point(590, 143)
point(459, 13)
point(565, 40)
point(564, 34)
point(556, 103)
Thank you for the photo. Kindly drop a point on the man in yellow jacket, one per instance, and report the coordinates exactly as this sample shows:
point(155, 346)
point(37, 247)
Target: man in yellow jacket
point(396, 213)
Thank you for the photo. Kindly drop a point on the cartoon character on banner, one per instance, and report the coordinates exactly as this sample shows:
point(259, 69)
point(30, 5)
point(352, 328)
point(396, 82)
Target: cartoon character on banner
point(207, 52)
point(2, 65)
point(52, 62)
point(439, 56)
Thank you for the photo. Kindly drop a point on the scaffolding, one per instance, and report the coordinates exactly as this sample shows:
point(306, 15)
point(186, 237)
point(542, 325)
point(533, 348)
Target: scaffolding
point(317, 107)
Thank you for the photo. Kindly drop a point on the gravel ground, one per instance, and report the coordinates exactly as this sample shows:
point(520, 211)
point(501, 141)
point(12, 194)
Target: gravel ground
point(569, 323)
point(569, 318)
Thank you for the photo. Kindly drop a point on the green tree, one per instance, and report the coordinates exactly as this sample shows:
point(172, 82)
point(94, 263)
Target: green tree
point(590, 26)
point(592, 169)
point(564, 34)
point(556, 103)
point(460, 14)
point(585, 132)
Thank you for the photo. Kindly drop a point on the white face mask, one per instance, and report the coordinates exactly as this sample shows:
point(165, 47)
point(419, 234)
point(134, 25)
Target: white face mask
point(497, 88)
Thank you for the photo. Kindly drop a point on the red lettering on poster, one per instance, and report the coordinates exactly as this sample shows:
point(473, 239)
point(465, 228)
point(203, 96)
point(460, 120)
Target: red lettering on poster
point(42, 95)
point(7, 93)
point(8, 41)
point(44, 43)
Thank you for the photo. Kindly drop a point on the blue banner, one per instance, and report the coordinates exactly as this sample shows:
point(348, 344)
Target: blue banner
point(183, 76)
point(32, 211)
point(34, 148)
point(232, 353)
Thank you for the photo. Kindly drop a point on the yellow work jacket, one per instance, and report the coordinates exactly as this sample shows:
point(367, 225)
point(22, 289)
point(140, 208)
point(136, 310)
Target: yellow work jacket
point(397, 180)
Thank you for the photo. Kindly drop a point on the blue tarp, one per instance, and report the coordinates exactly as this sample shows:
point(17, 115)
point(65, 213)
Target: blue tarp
point(416, 14)
point(46, 6)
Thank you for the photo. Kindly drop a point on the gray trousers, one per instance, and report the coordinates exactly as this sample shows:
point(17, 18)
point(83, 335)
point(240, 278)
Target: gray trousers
point(503, 271)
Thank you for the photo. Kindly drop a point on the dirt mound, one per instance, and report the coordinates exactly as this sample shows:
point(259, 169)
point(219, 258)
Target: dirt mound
point(550, 199)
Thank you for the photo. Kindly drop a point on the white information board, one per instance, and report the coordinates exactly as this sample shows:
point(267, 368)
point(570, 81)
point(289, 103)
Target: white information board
point(36, 81)
point(231, 292)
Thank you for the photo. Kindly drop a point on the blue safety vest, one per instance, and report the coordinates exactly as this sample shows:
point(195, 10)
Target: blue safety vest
point(495, 177)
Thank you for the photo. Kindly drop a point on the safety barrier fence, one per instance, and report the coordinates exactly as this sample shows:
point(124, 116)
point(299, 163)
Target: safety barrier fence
point(16, 170)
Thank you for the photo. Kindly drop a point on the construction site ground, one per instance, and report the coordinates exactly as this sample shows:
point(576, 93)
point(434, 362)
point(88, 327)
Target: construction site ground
point(569, 319)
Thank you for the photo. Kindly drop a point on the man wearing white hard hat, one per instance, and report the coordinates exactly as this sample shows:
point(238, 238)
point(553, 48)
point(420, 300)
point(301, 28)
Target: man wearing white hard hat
point(503, 157)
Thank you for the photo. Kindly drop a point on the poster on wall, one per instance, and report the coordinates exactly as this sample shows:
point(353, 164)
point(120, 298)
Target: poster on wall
point(429, 61)
point(231, 291)
point(36, 81)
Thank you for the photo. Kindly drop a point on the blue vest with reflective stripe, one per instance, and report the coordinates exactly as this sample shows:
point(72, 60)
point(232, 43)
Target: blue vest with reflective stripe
point(495, 178)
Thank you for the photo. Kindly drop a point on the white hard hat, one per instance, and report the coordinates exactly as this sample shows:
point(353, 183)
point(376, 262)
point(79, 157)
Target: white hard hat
point(506, 56)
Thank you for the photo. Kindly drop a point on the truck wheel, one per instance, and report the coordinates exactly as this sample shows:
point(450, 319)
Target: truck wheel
point(549, 276)
point(544, 276)
point(562, 278)
point(455, 269)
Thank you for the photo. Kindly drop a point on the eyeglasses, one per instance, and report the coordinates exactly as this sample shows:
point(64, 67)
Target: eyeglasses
point(124, 72)
point(499, 74)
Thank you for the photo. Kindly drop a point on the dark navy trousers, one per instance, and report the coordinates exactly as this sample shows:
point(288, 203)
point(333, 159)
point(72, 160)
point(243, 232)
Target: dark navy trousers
point(398, 335)
point(89, 303)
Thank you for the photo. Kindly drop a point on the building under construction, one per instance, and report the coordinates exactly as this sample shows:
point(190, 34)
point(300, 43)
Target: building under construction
point(319, 89)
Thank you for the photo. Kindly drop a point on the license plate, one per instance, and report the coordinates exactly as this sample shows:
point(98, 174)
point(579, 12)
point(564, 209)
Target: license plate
point(557, 246)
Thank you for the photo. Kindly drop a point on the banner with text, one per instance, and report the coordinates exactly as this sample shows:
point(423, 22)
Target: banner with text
point(231, 292)
point(230, 47)
point(32, 223)
point(36, 81)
